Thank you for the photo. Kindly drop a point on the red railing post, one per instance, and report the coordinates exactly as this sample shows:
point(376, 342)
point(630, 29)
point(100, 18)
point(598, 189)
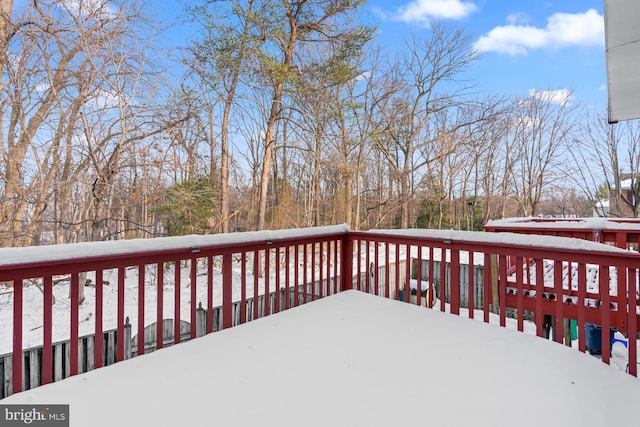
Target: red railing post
point(276, 303)
point(368, 269)
point(47, 344)
point(397, 271)
point(559, 304)
point(520, 264)
point(305, 270)
point(431, 274)
point(455, 281)
point(487, 290)
point(98, 338)
point(443, 279)
point(313, 271)
point(335, 266)
point(256, 291)
point(605, 312)
point(358, 253)
point(296, 275)
point(120, 331)
point(227, 291)
point(376, 268)
point(322, 289)
point(141, 280)
point(160, 305)
point(419, 279)
point(471, 285)
point(407, 274)
point(194, 296)
point(632, 283)
point(287, 278)
point(582, 292)
point(386, 270)
point(502, 288)
point(266, 307)
point(243, 289)
point(346, 264)
point(176, 301)
point(17, 336)
point(209, 326)
point(73, 341)
point(539, 315)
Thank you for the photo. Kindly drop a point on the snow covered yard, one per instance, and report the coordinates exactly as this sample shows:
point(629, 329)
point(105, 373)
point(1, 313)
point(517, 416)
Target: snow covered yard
point(352, 359)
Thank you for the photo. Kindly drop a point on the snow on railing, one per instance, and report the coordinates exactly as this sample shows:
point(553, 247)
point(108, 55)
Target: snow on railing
point(218, 281)
point(621, 232)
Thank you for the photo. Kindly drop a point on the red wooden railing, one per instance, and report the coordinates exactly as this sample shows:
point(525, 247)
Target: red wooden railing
point(306, 264)
point(620, 232)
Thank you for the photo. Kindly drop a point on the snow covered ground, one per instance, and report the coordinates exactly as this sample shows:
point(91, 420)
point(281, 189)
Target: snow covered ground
point(352, 359)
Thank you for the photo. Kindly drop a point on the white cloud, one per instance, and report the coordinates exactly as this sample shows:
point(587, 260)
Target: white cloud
point(423, 10)
point(563, 29)
point(42, 87)
point(100, 8)
point(512, 39)
point(559, 96)
point(517, 18)
point(363, 76)
point(380, 12)
point(104, 100)
point(528, 122)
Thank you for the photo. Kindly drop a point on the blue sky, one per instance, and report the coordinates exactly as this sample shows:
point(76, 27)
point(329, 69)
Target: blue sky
point(526, 45)
point(541, 45)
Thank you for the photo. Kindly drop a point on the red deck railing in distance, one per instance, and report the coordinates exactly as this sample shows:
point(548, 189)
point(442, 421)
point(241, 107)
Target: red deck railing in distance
point(620, 232)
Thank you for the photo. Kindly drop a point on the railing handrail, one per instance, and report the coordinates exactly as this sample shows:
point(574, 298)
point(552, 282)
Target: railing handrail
point(19, 262)
point(562, 224)
point(621, 232)
point(531, 246)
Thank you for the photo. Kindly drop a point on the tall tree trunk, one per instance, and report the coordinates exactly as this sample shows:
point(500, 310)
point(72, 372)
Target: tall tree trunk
point(224, 136)
point(268, 154)
point(274, 115)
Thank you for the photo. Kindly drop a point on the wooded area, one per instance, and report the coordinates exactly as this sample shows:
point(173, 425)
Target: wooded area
point(276, 114)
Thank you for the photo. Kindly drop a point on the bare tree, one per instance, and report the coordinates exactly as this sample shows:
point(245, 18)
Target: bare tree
point(542, 128)
point(295, 24)
point(233, 32)
point(408, 116)
point(610, 155)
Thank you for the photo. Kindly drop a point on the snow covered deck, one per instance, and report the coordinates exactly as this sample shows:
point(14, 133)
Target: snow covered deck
point(352, 359)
